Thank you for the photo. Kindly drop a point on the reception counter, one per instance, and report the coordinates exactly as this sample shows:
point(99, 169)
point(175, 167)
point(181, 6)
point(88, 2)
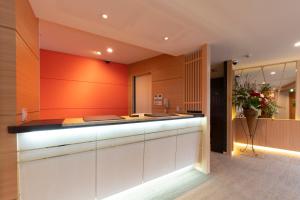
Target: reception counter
point(73, 159)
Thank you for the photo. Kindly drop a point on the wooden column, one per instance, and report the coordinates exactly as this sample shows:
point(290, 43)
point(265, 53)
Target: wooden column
point(8, 156)
point(298, 91)
point(205, 95)
point(19, 83)
point(230, 78)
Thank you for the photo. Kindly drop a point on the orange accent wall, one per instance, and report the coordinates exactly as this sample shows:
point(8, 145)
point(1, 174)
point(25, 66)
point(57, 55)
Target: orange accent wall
point(75, 86)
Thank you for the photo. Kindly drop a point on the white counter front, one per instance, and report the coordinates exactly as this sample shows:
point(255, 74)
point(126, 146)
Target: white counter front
point(88, 163)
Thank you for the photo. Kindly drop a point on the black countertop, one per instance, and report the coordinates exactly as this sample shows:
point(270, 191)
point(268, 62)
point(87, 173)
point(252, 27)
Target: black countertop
point(53, 124)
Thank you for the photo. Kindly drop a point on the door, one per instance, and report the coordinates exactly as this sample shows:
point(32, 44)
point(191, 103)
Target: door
point(218, 122)
point(143, 94)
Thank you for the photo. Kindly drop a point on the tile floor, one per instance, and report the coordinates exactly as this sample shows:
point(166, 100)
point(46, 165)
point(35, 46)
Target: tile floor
point(243, 178)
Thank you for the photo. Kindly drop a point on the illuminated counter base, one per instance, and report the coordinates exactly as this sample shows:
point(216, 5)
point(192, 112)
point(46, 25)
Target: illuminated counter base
point(97, 162)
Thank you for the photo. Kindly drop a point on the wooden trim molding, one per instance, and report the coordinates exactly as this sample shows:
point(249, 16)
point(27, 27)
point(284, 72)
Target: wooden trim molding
point(192, 89)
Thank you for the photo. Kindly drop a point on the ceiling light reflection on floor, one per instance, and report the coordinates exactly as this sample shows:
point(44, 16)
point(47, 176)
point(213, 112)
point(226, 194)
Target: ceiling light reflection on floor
point(166, 187)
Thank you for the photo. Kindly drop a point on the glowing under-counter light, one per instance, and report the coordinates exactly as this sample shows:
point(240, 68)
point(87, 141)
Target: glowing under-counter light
point(42, 139)
point(272, 150)
point(156, 182)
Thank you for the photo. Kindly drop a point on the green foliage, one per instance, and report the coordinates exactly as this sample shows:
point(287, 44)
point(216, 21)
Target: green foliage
point(242, 96)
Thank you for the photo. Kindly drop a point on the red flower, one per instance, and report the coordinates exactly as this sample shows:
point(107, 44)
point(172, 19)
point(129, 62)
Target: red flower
point(254, 94)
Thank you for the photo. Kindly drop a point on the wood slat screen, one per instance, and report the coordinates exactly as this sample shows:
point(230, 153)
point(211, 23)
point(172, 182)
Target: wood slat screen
point(193, 97)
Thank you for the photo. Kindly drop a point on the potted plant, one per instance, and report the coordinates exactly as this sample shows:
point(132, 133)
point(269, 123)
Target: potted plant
point(247, 98)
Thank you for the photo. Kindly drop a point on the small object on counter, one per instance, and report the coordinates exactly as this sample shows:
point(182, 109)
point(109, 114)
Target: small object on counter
point(159, 115)
point(101, 118)
point(134, 115)
point(195, 113)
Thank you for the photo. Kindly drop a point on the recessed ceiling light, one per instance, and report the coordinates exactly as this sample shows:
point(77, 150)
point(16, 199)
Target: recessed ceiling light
point(166, 38)
point(109, 50)
point(104, 16)
point(98, 53)
point(273, 73)
point(297, 44)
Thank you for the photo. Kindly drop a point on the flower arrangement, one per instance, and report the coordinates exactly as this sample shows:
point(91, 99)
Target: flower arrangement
point(249, 96)
point(254, 101)
point(270, 107)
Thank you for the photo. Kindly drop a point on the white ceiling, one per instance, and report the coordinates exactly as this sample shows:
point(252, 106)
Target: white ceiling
point(265, 28)
point(68, 40)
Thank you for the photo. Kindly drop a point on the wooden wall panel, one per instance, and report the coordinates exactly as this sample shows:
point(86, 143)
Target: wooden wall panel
point(8, 173)
point(294, 135)
point(277, 134)
point(167, 77)
point(282, 134)
point(8, 160)
point(240, 127)
point(27, 26)
point(7, 71)
point(174, 89)
point(239, 131)
point(27, 80)
point(7, 13)
point(15, 59)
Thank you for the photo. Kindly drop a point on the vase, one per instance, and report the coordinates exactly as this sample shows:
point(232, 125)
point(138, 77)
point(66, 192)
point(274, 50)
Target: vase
point(251, 116)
